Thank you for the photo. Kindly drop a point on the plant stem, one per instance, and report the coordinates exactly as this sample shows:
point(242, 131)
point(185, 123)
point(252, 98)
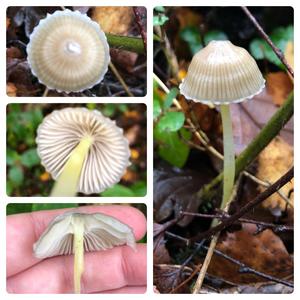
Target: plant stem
point(132, 44)
point(78, 249)
point(229, 162)
point(67, 182)
point(265, 136)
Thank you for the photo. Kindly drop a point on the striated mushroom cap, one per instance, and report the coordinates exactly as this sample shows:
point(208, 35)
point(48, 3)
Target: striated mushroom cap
point(107, 159)
point(222, 73)
point(101, 232)
point(68, 52)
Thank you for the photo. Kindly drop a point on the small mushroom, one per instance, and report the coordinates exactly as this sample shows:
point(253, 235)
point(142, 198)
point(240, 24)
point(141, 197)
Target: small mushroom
point(83, 150)
point(74, 233)
point(68, 52)
point(222, 73)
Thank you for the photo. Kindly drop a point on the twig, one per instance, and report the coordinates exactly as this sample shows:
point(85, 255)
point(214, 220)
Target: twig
point(121, 80)
point(139, 15)
point(276, 50)
point(45, 92)
point(127, 43)
point(262, 225)
point(243, 267)
point(249, 206)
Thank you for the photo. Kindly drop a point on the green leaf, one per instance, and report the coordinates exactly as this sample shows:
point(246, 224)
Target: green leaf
point(15, 174)
point(214, 35)
point(159, 9)
point(12, 157)
point(169, 98)
point(118, 190)
point(156, 108)
point(91, 106)
point(30, 158)
point(160, 20)
point(171, 121)
point(9, 188)
point(139, 188)
point(260, 49)
point(17, 208)
point(49, 206)
point(171, 147)
point(191, 35)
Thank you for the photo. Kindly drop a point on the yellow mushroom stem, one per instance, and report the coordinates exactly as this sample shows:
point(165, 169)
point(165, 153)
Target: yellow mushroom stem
point(67, 182)
point(229, 161)
point(78, 249)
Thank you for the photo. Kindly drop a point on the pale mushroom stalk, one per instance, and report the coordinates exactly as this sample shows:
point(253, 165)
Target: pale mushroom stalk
point(78, 247)
point(228, 148)
point(67, 183)
point(76, 233)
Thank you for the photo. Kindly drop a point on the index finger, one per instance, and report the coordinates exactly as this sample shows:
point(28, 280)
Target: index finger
point(23, 230)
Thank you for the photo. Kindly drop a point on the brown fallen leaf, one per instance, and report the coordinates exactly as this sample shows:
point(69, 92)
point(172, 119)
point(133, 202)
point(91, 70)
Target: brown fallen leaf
point(114, 19)
point(11, 90)
point(279, 85)
point(264, 252)
point(160, 252)
point(250, 116)
point(275, 160)
point(289, 53)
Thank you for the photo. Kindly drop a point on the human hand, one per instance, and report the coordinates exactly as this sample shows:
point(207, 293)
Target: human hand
point(119, 270)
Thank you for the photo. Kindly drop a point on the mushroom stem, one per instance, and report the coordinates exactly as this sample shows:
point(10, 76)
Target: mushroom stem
point(229, 161)
point(67, 182)
point(78, 249)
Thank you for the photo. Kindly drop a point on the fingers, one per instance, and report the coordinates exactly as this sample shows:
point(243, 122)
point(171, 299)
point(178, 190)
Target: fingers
point(108, 270)
point(23, 230)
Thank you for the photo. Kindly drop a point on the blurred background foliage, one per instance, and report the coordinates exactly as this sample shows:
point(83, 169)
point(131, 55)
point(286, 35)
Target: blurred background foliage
point(27, 177)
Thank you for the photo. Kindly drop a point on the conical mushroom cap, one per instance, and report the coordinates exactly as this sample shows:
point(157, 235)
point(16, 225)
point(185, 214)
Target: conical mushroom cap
point(222, 73)
point(101, 232)
point(107, 158)
point(68, 52)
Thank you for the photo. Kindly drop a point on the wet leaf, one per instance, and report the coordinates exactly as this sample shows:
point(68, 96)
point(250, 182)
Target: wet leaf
point(171, 148)
point(171, 121)
point(263, 252)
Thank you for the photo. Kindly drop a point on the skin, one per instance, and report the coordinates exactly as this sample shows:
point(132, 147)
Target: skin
point(119, 270)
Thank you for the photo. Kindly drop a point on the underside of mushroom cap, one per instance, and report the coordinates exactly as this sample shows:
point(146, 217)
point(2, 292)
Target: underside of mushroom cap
point(68, 52)
point(107, 158)
point(101, 232)
point(222, 73)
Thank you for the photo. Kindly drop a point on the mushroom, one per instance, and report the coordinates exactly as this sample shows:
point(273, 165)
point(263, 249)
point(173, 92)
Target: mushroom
point(222, 73)
point(68, 52)
point(74, 233)
point(83, 150)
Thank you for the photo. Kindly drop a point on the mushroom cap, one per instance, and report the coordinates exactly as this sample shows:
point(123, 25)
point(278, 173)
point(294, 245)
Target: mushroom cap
point(222, 73)
point(107, 158)
point(101, 232)
point(68, 52)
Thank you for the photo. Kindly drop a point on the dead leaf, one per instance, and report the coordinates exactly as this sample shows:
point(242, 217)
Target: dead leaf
point(264, 252)
point(274, 161)
point(279, 86)
point(160, 252)
point(250, 116)
point(113, 19)
point(11, 90)
point(289, 53)
point(167, 277)
point(174, 191)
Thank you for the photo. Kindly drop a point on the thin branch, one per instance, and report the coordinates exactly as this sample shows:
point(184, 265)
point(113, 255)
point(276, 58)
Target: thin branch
point(127, 43)
point(276, 50)
point(139, 20)
point(243, 267)
point(249, 206)
point(121, 80)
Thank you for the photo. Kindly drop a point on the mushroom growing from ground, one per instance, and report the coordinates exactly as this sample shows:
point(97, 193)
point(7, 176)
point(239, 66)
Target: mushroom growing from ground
point(68, 52)
point(222, 73)
point(83, 150)
point(74, 233)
